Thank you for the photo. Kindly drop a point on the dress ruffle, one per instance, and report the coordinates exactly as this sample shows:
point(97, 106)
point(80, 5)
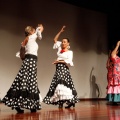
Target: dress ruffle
point(113, 97)
point(113, 88)
point(22, 99)
point(61, 93)
point(24, 91)
point(62, 87)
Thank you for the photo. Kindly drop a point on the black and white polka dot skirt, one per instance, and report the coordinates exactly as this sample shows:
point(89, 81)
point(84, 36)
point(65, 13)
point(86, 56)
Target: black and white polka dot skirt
point(62, 87)
point(24, 92)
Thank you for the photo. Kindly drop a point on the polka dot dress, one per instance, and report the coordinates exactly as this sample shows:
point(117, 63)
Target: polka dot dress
point(62, 87)
point(24, 92)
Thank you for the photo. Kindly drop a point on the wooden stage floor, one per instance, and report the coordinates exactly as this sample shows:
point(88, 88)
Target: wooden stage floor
point(84, 110)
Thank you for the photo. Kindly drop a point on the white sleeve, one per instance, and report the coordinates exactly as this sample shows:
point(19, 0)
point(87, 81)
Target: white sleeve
point(57, 45)
point(38, 33)
point(18, 54)
point(69, 61)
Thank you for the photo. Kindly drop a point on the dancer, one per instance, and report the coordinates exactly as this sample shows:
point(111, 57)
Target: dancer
point(24, 92)
point(113, 91)
point(62, 88)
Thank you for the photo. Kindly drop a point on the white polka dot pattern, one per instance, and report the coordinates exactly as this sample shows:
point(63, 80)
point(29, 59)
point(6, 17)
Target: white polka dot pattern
point(62, 87)
point(24, 92)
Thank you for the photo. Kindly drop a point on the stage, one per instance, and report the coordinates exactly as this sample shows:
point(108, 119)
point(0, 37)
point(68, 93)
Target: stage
point(84, 110)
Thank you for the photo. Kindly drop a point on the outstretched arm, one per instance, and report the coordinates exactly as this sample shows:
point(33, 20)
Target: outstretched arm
point(58, 34)
point(114, 52)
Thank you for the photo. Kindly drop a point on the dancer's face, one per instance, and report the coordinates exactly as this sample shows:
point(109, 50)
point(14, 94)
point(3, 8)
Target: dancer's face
point(65, 43)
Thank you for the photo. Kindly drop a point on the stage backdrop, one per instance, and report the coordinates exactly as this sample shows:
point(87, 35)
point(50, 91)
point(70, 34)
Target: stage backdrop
point(86, 29)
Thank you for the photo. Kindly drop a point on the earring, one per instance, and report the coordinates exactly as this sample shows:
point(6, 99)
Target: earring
point(68, 47)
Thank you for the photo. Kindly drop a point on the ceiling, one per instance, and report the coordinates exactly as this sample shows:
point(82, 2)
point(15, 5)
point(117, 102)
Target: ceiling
point(106, 6)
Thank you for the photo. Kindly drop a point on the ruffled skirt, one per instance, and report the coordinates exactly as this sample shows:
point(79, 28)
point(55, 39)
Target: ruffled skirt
point(113, 88)
point(24, 92)
point(62, 87)
point(113, 93)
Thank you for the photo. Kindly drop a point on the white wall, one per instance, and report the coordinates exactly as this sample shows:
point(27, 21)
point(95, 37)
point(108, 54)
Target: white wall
point(86, 29)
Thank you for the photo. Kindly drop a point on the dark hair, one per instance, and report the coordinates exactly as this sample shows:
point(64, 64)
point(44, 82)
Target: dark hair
point(26, 33)
point(67, 40)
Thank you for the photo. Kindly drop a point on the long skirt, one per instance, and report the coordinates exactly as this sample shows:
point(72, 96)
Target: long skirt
point(62, 88)
point(113, 93)
point(24, 92)
point(113, 88)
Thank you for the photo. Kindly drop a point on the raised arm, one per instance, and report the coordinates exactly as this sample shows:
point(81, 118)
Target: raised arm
point(39, 30)
point(114, 52)
point(41, 27)
point(58, 34)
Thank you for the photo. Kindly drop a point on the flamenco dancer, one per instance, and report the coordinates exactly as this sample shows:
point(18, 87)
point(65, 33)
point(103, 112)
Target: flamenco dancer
point(113, 89)
point(62, 89)
point(24, 92)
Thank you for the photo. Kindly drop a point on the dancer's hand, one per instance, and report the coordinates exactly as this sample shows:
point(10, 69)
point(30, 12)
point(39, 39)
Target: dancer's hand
point(41, 27)
point(118, 43)
point(55, 62)
point(62, 30)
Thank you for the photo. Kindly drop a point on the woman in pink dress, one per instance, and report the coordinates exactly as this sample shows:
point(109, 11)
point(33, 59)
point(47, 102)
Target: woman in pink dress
point(113, 91)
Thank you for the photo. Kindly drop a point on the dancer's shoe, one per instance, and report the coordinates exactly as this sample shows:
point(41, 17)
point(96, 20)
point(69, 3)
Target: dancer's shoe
point(60, 106)
point(33, 110)
point(70, 105)
point(19, 110)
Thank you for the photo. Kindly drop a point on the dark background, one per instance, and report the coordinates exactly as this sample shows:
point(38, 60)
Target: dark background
point(109, 7)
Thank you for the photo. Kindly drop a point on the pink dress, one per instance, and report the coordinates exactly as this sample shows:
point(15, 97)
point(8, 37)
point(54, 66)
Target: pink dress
point(114, 77)
point(110, 76)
